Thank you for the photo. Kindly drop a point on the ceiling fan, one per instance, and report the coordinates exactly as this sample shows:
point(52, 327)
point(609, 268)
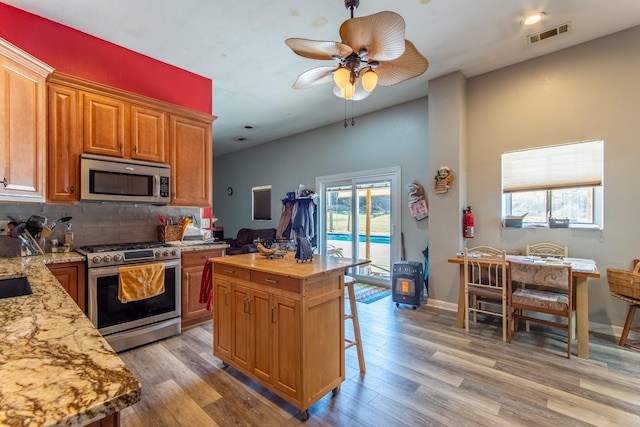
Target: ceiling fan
point(373, 52)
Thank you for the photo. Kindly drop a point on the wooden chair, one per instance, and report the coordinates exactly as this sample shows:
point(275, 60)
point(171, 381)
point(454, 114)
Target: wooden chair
point(547, 250)
point(542, 288)
point(349, 281)
point(485, 280)
point(625, 285)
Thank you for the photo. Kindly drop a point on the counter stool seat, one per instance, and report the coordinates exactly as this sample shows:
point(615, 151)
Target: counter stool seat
point(357, 341)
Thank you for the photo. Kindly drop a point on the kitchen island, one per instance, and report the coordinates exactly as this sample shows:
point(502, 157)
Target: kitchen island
point(281, 322)
point(55, 368)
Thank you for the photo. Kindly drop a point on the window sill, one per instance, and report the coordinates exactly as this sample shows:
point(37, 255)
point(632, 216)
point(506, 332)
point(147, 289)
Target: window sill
point(594, 227)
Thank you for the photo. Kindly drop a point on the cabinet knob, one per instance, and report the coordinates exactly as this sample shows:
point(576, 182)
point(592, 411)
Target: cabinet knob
point(4, 181)
point(135, 149)
point(72, 189)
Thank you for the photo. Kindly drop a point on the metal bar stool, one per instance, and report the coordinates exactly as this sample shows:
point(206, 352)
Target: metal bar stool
point(357, 341)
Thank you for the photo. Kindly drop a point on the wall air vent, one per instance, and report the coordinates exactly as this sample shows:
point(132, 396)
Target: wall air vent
point(552, 32)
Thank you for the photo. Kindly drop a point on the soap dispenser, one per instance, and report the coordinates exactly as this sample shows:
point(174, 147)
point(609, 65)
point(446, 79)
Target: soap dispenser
point(68, 237)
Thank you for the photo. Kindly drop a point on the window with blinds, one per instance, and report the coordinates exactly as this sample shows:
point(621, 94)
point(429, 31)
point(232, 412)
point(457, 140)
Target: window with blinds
point(555, 182)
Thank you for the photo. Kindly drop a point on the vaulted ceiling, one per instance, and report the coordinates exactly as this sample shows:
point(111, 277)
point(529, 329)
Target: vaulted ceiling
point(240, 46)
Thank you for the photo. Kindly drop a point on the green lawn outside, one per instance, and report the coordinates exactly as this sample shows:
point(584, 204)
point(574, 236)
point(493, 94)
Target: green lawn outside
point(340, 223)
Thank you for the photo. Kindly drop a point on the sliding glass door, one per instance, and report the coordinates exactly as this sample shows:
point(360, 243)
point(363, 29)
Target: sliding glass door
point(358, 214)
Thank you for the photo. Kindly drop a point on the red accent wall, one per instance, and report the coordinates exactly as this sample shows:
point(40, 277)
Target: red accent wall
point(74, 52)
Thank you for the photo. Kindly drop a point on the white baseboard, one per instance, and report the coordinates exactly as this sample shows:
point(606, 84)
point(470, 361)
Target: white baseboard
point(600, 328)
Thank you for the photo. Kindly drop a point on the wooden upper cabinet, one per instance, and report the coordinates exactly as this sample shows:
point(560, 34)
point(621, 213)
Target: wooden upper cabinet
point(191, 161)
point(64, 146)
point(22, 125)
point(105, 125)
point(148, 134)
point(88, 117)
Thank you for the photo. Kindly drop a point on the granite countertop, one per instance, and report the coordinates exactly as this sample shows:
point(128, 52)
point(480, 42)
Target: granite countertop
point(193, 246)
point(61, 257)
point(55, 367)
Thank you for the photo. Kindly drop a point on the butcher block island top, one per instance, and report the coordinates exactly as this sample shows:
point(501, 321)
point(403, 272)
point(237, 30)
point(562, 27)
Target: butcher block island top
point(55, 367)
point(289, 267)
point(281, 322)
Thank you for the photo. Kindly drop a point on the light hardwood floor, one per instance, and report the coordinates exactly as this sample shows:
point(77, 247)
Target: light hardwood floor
point(421, 371)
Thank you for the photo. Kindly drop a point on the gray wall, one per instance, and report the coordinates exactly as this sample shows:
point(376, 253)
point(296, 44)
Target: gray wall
point(393, 137)
point(581, 93)
point(586, 92)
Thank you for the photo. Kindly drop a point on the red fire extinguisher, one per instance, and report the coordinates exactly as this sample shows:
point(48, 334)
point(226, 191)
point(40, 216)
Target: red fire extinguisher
point(467, 223)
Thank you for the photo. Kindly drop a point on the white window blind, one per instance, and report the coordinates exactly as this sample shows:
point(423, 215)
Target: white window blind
point(554, 167)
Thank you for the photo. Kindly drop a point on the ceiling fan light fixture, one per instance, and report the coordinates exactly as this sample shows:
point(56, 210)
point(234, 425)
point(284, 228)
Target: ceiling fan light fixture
point(368, 43)
point(347, 91)
point(369, 80)
point(341, 77)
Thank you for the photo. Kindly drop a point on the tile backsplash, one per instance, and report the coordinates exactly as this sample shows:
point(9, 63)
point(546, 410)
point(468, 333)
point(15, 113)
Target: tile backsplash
point(93, 223)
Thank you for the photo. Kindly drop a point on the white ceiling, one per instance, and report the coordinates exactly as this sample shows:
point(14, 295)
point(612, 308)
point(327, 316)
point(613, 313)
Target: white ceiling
point(240, 45)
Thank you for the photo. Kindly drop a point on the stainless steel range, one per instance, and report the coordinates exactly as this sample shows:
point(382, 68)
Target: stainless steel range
point(130, 324)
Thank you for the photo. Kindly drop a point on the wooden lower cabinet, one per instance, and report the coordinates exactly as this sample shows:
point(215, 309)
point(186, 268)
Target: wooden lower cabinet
point(193, 311)
point(112, 420)
point(72, 278)
point(286, 333)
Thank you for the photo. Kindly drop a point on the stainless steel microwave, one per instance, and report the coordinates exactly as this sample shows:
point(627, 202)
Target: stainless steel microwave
point(119, 180)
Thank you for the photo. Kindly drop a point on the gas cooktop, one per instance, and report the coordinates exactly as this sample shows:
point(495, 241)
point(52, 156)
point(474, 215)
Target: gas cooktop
point(116, 254)
point(92, 249)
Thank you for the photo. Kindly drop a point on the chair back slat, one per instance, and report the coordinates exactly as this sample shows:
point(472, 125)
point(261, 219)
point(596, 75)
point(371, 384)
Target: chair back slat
point(547, 250)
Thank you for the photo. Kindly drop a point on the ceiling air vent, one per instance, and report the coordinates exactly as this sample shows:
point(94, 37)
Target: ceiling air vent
point(555, 31)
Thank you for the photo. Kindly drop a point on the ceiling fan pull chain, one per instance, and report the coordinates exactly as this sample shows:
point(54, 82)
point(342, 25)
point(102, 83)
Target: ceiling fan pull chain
point(353, 121)
point(345, 113)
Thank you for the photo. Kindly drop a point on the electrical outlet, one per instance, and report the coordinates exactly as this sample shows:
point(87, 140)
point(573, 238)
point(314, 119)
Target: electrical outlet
point(4, 227)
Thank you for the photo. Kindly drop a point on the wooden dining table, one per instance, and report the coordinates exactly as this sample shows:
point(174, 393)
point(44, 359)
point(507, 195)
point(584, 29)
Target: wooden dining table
point(581, 298)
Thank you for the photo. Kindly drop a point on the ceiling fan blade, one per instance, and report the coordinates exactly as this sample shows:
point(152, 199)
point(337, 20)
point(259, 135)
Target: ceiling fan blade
point(317, 49)
point(314, 77)
point(411, 64)
point(381, 34)
point(358, 94)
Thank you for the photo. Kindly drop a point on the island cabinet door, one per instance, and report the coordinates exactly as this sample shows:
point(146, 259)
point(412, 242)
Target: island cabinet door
point(261, 311)
point(287, 346)
point(222, 311)
point(241, 327)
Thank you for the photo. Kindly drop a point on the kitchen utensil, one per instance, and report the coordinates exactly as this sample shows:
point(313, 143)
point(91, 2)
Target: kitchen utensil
point(52, 224)
point(30, 243)
point(17, 229)
point(35, 224)
point(185, 224)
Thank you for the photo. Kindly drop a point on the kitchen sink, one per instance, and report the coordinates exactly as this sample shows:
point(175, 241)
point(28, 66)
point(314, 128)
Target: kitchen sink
point(14, 287)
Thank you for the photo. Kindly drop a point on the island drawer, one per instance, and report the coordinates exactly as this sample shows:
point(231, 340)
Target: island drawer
point(276, 281)
point(230, 271)
point(198, 258)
